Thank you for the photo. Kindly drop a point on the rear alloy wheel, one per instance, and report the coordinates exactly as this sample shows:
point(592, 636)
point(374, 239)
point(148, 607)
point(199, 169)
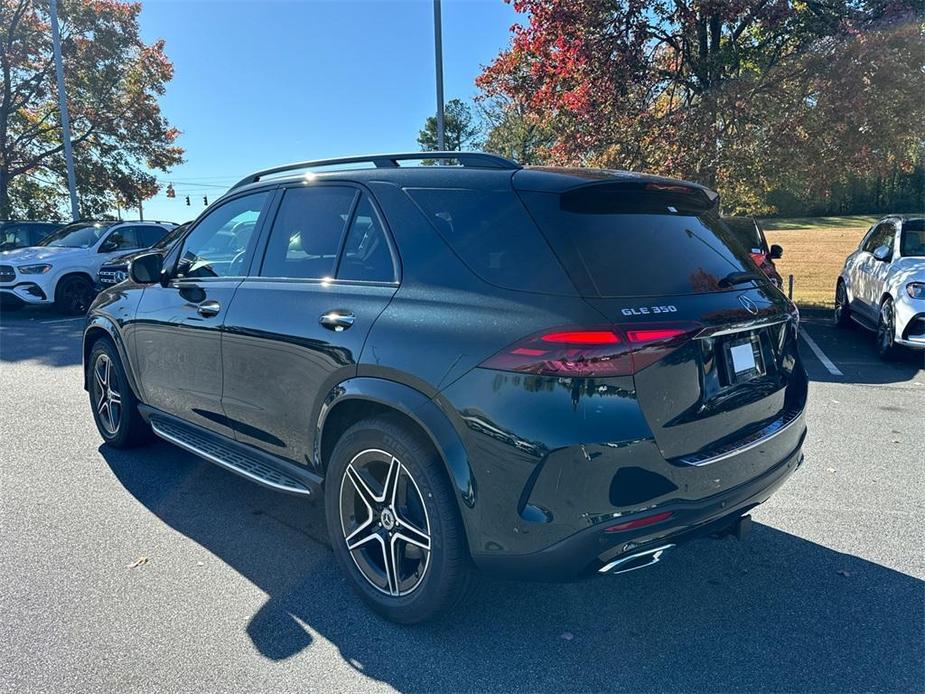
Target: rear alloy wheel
point(393, 521)
point(886, 331)
point(115, 408)
point(74, 295)
point(384, 522)
point(842, 312)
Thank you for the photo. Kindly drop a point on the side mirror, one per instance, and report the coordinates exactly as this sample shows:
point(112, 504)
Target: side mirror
point(108, 246)
point(776, 251)
point(882, 253)
point(146, 269)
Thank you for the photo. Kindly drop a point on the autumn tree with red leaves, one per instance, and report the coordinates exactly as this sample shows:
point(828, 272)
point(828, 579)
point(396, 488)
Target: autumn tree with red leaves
point(754, 97)
point(113, 80)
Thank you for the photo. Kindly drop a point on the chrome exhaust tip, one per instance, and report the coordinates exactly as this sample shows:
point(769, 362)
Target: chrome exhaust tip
point(631, 562)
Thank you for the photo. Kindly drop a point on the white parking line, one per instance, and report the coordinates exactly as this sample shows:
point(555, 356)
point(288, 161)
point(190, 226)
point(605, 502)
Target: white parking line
point(820, 355)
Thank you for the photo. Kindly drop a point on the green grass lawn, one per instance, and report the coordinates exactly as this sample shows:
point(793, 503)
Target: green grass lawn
point(809, 223)
point(815, 249)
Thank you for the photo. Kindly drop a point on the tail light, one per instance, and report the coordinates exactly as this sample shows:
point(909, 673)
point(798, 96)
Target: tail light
point(594, 351)
point(759, 258)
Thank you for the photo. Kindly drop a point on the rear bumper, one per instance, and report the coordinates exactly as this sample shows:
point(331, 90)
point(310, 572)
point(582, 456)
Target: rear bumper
point(585, 553)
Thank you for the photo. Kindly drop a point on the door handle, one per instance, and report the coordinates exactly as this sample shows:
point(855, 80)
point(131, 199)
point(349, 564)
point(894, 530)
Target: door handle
point(338, 320)
point(208, 309)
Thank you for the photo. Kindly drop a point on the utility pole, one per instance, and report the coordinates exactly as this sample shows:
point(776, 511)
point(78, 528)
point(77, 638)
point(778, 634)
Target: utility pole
point(62, 104)
point(438, 53)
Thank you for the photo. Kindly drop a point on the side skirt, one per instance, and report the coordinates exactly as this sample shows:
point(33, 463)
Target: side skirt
point(259, 467)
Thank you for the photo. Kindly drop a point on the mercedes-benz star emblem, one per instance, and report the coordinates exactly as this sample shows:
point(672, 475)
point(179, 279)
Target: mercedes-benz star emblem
point(388, 519)
point(749, 305)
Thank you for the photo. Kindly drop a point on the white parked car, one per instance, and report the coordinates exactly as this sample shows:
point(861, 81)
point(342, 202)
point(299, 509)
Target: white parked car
point(882, 286)
point(62, 268)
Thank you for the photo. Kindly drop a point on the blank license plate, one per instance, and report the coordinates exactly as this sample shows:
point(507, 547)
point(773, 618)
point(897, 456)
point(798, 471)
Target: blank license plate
point(744, 359)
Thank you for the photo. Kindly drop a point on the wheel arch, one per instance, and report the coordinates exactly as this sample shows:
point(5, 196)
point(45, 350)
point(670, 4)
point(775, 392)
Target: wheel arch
point(361, 397)
point(75, 272)
point(99, 327)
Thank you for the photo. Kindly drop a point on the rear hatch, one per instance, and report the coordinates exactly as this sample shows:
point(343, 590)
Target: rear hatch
point(714, 342)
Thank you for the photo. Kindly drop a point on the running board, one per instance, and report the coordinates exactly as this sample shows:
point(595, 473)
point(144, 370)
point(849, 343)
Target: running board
point(256, 466)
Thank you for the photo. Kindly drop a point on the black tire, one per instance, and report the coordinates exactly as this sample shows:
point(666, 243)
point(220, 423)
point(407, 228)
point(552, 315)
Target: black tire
point(886, 331)
point(73, 295)
point(842, 310)
point(421, 584)
point(114, 405)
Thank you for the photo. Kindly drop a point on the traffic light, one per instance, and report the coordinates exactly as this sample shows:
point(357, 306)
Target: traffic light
point(205, 201)
point(171, 193)
point(187, 200)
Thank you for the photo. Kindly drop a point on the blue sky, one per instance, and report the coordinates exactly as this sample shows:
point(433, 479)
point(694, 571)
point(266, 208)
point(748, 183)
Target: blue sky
point(264, 82)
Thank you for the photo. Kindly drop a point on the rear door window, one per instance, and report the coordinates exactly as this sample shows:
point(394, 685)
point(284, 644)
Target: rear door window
point(366, 254)
point(619, 244)
point(151, 235)
point(494, 236)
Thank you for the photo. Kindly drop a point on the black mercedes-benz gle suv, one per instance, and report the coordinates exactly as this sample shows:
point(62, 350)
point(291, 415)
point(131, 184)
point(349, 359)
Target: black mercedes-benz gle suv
point(539, 372)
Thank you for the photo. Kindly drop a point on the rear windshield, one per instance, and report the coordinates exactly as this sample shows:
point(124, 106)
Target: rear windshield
point(746, 230)
point(616, 245)
point(494, 236)
point(912, 239)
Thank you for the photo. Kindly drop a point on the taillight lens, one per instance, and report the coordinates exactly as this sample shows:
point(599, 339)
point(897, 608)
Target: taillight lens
point(759, 258)
point(596, 351)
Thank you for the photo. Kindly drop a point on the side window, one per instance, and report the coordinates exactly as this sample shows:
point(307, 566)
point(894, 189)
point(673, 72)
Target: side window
point(881, 236)
point(307, 232)
point(220, 245)
point(151, 235)
point(124, 238)
point(366, 252)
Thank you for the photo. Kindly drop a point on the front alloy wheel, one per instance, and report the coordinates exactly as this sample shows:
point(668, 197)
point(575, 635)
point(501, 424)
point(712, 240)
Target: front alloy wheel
point(384, 522)
point(115, 407)
point(886, 331)
point(107, 395)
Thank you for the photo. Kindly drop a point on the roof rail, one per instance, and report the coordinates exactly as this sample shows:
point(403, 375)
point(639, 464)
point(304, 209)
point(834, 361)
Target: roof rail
point(389, 161)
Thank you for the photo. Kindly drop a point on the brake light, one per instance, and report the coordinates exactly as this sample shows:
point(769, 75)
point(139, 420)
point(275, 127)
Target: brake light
point(595, 351)
point(759, 258)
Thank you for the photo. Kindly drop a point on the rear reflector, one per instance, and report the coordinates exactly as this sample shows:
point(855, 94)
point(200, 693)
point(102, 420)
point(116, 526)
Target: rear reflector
point(639, 522)
point(593, 351)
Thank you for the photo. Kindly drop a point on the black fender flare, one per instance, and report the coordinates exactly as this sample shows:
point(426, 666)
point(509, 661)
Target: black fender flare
point(96, 323)
point(423, 411)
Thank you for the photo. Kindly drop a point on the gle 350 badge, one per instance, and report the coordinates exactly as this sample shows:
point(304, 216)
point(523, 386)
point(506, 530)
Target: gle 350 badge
point(647, 310)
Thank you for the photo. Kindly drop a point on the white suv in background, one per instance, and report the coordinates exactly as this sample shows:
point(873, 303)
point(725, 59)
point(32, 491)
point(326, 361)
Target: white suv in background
point(882, 286)
point(62, 268)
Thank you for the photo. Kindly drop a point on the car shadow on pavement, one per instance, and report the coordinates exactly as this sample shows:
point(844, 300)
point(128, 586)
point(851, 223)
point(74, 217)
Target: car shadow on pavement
point(775, 613)
point(40, 335)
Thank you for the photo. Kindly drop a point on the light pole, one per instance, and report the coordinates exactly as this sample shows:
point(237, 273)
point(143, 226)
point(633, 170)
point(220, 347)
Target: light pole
point(62, 104)
point(438, 53)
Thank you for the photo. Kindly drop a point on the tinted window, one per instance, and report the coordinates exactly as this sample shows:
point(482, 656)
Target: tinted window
point(746, 230)
point(912, 240)
point(124, 239)
point(150, 235)
point(307, 232)
point(655, 247)
point(494, 236)
point(171, 236)
point(366, 253)
point(220, 245)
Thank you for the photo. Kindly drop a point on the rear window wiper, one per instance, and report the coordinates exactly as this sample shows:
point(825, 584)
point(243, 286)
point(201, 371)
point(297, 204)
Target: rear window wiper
point(734, 278)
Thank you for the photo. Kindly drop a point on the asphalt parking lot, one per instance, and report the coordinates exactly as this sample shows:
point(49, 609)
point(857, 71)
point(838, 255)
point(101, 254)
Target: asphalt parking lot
point(151, 570)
